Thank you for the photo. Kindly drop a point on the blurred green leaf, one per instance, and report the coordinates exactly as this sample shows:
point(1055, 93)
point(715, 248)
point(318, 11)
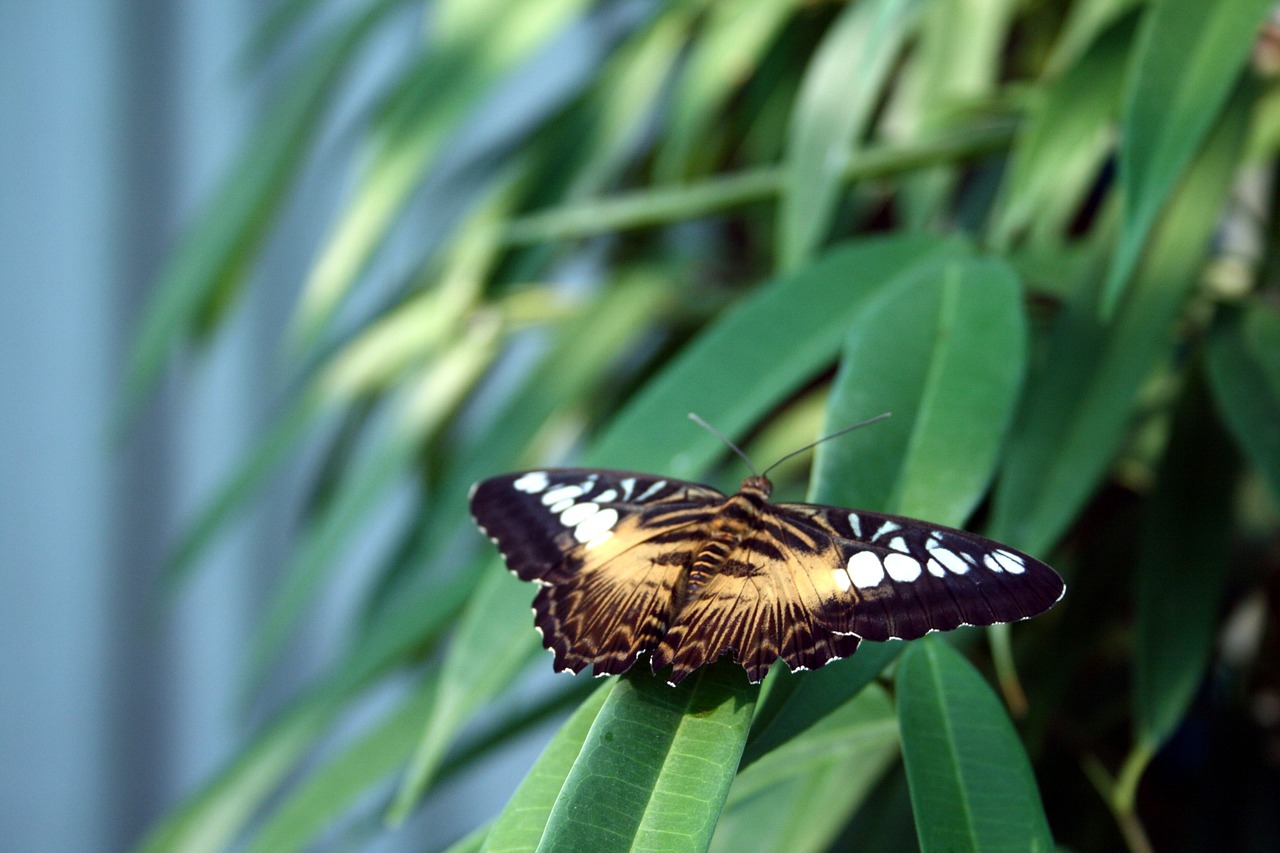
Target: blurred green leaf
point(656, 766)
point(210, 264)
point(1189, 58)
point(953, 66)
point(1244, 372)
point(335, 784)
point(842, 85)
point(1182, 568)
point(1060, 150)
point(798, 797)
point(728, 49)
point(473, 42)
point(972, 787)
point(952, 393)
point(1086, 19)
point(1083, 391)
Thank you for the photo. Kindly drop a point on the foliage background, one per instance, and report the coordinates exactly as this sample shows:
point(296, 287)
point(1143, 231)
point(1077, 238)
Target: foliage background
point(1039, 233)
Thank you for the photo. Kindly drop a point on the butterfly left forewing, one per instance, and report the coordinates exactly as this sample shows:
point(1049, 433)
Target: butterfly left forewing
point(902, 578)
point(608, 547)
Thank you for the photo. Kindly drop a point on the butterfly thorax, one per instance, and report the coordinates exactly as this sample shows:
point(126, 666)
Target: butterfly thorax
point(737, 517)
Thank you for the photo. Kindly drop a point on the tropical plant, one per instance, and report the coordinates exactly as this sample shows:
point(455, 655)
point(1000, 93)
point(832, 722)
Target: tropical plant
point(1021, 227)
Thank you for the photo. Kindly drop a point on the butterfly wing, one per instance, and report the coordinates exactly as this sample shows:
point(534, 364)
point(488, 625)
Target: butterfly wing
point(901, 578)
point(609, 548)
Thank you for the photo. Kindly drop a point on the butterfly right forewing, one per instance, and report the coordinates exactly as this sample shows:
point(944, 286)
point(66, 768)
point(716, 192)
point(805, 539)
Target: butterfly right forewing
point(904, 578)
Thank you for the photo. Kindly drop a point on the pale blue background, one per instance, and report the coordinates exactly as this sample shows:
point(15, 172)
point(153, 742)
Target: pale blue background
point(116, 119)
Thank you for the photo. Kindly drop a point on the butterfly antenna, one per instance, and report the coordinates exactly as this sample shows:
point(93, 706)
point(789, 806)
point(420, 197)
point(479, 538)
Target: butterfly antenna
point(814, 444)
point(718, 434)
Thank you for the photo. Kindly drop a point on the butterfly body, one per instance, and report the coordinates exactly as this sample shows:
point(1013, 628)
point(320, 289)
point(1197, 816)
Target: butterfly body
point(631, 563)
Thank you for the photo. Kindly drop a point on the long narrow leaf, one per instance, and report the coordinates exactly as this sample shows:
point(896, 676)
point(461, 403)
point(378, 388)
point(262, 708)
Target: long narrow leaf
point(1189, 57)
point(972, 788)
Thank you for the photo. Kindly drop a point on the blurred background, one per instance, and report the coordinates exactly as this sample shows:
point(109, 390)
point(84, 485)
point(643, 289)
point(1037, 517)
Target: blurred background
point(278, 281)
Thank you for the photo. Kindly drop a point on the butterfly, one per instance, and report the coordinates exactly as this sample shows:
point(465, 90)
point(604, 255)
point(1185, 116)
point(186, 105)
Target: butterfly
point(632, 563)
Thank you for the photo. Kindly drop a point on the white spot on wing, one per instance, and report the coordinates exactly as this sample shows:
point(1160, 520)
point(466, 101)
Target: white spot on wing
point(532, 483)
point(596, 524)
point(578, 513)
point(949, 559)
point(561, 506)
point(628, 486)
point(936, 569)
point(897, 543)
point(865, 569)
point(607, 496)
point(901, 567)
point(1012, 563)
point(885, 529)
point(562, 493)
point(855, 524)
point(652, 490)
point(989, 561)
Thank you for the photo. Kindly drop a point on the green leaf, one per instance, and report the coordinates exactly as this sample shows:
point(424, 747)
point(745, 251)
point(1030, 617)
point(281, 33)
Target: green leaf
point(759, 352)
point(1182, 569)
point(524, 819)
point(1083, 391)
point(656, 766)
point(473, 43)
point(791, 703)
point(1189, 58)
point(798, 797)
point(1068, 134)
point(1244, 372)
point(972, 787)
point(842, 86)
point(727, 50)
point(952, 393)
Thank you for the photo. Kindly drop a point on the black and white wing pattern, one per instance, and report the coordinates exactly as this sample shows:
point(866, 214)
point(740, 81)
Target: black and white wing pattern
point(633, 563)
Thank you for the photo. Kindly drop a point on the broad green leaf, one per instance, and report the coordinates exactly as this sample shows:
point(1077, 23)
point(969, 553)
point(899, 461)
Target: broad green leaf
point(1069, 132)
point(759, 352)
point(524, 819)
point(798, 797)
point(1182, 567)
point(1244, 372)
point(1082, 392)
point(656, 766)
point(206, 271)
point(474, 42)
point(952, 392)
point(727, 50)
point(1189, 58)
point(214, 817)
point(329, 789)
point(972, 787)
point(842, 86)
